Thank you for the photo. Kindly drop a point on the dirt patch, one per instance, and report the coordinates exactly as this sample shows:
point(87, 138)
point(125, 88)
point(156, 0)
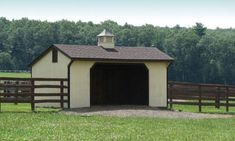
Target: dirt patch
point(140, 111)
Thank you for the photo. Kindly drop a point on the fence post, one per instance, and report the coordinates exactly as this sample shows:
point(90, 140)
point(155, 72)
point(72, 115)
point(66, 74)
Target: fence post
point(170, 96)
point(68, 93)
point(200, 98)
point(61, 92)
point(32, 95)
point(16, 91)
point(218, 98)
point(227, 99)
point(1, 99)
point(0, 103)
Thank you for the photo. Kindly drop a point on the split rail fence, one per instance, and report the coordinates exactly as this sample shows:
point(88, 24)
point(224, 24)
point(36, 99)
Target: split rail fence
point(184, 93)
point(30, 90)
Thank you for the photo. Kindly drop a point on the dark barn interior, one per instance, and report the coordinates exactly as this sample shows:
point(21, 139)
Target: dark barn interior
point(119, 84)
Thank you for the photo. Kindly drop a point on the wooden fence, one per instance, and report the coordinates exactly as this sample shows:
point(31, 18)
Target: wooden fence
point(201, 94)
point(29, 90)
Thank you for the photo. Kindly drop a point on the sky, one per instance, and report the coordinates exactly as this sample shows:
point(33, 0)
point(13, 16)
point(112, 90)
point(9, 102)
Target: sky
point(212, 13)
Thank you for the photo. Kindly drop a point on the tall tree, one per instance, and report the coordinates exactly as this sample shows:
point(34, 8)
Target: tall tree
point(199, 29)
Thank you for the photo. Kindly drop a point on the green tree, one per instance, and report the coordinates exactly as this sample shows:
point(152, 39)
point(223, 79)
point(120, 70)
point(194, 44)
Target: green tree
point(201, 54)
point(199, 29)
point(6, 61)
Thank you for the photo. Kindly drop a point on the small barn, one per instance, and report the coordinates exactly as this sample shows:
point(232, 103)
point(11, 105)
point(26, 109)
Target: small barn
point(107, 74)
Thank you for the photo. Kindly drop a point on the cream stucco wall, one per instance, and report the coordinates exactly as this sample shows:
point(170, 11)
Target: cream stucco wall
point(80, 83)
point(45, 68)
point(157, 83)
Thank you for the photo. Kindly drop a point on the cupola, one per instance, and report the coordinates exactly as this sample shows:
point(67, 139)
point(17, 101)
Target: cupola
point(106, 39)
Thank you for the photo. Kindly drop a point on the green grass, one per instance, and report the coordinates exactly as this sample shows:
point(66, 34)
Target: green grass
point(49, 124)
point(21, 75)
point(205, 109)
point(23, 108)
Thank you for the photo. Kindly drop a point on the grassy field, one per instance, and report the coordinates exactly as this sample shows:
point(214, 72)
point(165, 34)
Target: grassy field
point(205, 109)
point(21, 75)
point(18, 123)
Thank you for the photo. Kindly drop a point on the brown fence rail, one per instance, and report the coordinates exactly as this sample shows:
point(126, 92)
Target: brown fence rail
point(185, 93)
point(28, 90)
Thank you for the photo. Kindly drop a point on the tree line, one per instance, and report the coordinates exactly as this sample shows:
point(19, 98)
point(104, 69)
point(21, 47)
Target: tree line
point(201, 54)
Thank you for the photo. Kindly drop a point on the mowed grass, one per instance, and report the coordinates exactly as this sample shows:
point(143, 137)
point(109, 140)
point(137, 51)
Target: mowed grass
point(18, 123)
point(205, 109)
point(19, 75)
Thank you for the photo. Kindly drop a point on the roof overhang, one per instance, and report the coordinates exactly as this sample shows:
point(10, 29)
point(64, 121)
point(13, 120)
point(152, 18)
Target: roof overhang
point(120, 60)
point(44, 53)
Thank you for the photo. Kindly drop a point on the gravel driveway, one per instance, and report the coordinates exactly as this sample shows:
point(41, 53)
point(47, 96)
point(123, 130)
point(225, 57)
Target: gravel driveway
point(139, 111)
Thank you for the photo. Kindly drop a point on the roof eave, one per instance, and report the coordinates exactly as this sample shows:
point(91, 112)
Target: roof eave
point(124, 60)
point(45, 52)
point(40, 56)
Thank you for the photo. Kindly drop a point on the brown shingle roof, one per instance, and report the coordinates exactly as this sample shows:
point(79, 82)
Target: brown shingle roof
point(118, 53)
point(99, 53)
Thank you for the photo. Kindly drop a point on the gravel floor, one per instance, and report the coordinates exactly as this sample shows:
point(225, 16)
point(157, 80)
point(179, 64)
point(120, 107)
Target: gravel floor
point(139, 111)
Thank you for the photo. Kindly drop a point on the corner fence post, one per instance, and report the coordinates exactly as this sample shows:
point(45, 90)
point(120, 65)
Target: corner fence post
point(62, 92)
point(32, 95)
point(200, 99)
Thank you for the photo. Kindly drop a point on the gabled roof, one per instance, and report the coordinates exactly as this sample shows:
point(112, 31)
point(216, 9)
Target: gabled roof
point(86, 52)
point(118, 53)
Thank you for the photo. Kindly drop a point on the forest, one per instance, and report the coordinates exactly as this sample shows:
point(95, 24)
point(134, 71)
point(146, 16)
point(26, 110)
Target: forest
point(201, 54)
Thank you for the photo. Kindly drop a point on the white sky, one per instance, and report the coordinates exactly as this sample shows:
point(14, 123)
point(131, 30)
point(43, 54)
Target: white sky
point(212, 13)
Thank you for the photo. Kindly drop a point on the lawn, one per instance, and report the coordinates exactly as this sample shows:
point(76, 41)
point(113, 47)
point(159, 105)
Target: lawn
point(18, 123)
point(205, 109)
point(21, 75)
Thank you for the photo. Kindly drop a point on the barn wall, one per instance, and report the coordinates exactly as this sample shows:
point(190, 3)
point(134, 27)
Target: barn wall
point(157, 83)
point(80, 84)
point(44, 68)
